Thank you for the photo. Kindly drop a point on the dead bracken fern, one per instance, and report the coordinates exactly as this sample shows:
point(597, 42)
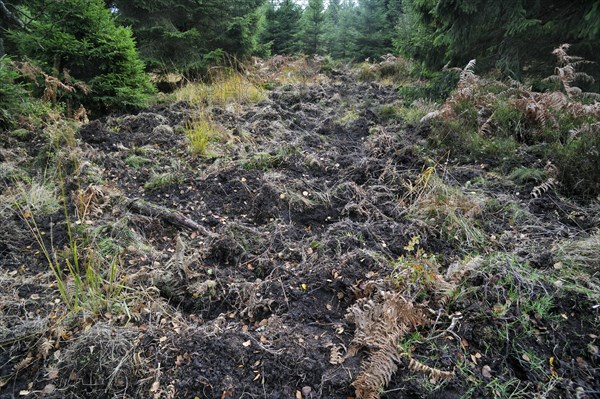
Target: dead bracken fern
point(52, 84)
point(466, 88)
point(538, 107)
point(381, 320)
point(551, 182)
point(543, 188)
point(566, 72)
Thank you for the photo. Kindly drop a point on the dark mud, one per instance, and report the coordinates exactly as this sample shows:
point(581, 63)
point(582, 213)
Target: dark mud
point(308, 200)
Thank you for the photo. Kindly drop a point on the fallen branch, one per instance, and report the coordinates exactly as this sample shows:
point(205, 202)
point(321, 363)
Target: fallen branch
point(168, 215)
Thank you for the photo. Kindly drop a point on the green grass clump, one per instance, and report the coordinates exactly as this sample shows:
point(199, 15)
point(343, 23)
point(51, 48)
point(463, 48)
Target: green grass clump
point(447, 209)
point(10, 173)
point(226, 88)
point(136, 161)
point(39, 198)
point(266, 161)
point(525, 175)
point(201, 133)
point(161, 180)
point(349, 117)
point(388, 70)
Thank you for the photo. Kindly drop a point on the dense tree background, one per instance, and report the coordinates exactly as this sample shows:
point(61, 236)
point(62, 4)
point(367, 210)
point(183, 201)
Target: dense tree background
point(281, 34)
point(343, 29)
point(313, 27)
point(110, 44)
point(188, 35)
point(511, 34)
point(79, 41)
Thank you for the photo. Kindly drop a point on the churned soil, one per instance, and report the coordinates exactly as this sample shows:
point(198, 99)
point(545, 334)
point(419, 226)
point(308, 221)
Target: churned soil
point(307, 198)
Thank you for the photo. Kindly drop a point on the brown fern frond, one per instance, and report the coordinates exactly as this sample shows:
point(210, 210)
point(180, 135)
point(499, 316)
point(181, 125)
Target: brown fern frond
point(28, 70)
point(24, 363)
point(587, 128)
point(566, 73)
point(579, 109)
point(434, 373)
point(81, 115)
point(82, 87)
point(376, 373)
point(468, 73)
point(380, 322)
point(45, 346)
point(555, 100)
point(486, 127)
point(335, 355)
point(540, 190)
point(562, 55)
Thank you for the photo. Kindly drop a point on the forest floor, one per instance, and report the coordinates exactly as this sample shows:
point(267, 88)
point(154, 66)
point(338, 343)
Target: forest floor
point(317, 249)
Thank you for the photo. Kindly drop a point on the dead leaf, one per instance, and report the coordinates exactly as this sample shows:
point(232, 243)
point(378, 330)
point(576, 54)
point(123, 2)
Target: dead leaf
point(581, 362)
point(179, 360)
point(526, 357)
point(52, 373)
point(155, 386)
point(486, 371)
point(247, 343)
point(228, 393)
point(298, 395)
point(48, 389)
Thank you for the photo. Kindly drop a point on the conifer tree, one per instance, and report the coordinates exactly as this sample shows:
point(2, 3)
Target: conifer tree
point(282, 30)
point(78, 40)
point(506, 34)
point(373, 40)
point(340, 31)
point(313, 24)
point(188, 35)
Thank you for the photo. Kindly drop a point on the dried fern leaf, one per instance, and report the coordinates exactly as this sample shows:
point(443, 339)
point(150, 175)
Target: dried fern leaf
point(23, 363)
point(381, 321)
point(486, 127)
point(540, 190)
point(335, 355)
point(433, 372)
point(45, 346)
point(376, 372)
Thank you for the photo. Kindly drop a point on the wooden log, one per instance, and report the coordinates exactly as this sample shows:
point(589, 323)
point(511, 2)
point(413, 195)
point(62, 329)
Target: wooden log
point(171, 216)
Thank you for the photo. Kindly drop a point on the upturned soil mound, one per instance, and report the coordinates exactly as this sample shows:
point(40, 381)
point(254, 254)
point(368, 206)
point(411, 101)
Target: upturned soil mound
point(316, 251)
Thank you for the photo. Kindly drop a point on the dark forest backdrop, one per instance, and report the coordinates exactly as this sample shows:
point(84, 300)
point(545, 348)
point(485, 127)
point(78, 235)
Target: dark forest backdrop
point(107, 45)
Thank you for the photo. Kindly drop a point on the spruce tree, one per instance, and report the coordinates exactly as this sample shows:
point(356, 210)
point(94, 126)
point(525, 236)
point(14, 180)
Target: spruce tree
point(373, 39)
point(188, 35)
point(78, 40)
point(282, 28)
point(506, 34)
point(339, 36)
point(313, 23)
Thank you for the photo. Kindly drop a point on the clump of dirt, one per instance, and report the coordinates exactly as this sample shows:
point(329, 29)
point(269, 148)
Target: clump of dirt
point(238, 269)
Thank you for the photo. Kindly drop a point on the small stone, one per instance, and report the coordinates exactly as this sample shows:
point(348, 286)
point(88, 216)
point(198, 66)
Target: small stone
point(306, 391)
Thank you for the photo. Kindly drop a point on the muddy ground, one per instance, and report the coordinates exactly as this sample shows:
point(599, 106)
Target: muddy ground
point(311, 204)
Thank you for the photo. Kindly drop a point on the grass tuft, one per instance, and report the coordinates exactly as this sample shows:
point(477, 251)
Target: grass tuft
point(225, 89)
